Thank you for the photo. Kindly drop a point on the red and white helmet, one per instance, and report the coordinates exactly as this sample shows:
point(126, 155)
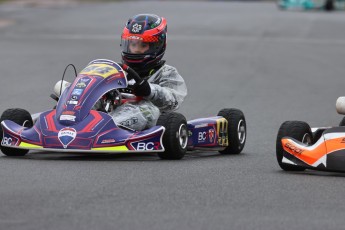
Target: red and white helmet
point(147, 32)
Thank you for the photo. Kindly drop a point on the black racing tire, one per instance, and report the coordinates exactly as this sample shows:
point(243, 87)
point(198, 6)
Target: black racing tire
point(21, 117)
point(342, 122)
point(237, 130)
point(175, 138)
point(298, 130)
point(329, 5)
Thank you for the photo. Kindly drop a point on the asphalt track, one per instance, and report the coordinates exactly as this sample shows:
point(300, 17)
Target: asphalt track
point(273, 65)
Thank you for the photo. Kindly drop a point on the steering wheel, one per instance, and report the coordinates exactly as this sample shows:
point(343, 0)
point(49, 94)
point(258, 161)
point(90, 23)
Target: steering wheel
point(132, 74)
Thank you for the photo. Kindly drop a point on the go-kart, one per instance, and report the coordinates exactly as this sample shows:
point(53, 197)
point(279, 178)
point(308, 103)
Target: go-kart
point(75, 126)
point(327, 5)
point(300, 147)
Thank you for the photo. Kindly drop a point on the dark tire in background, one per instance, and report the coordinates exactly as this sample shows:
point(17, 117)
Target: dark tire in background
point(21, 117)
point(298, 130)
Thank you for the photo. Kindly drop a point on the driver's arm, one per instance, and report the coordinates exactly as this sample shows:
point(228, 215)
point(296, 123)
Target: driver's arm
point(168, 89)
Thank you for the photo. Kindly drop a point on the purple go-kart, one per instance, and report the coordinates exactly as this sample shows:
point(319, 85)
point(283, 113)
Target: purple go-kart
point(74, 126)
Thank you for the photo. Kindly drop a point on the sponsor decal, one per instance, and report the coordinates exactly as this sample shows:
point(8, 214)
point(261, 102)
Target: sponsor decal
point(72, 102)
point(156, 23)
point(294, 148)
point(77, 92)
point(103, 70)
point(144, 146)
point(68, 112)
point(101, 61)
point(7, 141)
point(190, 133)
point(222, 132)
point(130, 122)
point(74, 98)
point(135, 38)
point(343, 140)
point(66, 136)
point(211, 135)
point(201, 125)
point(67, 118)
point(84, 79)
point(89, 68)
point(136, 28)
point(108, 141)
point(201, 137)
point(81, 85)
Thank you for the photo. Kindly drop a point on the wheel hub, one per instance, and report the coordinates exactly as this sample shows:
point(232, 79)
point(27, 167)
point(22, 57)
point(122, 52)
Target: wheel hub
point(183, 136)
point(241, 131)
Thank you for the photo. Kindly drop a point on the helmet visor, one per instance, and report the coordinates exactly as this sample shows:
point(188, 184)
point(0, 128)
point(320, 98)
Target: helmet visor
point(138, 46)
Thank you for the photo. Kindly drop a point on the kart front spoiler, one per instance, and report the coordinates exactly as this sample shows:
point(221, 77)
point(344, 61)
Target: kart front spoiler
point(18, 137)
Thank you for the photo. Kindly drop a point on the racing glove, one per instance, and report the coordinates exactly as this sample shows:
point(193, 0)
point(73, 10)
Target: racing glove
point(142, 89)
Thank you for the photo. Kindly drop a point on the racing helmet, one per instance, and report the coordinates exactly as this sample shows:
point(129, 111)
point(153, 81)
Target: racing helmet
point(143, 41)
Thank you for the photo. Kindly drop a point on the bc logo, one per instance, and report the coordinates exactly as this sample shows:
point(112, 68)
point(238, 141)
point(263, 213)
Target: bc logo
point(201, 136)
point(143, 146)
point(6, 141)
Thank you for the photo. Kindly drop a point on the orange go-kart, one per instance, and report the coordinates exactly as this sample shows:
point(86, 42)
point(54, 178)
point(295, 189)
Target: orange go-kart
point(300, 147)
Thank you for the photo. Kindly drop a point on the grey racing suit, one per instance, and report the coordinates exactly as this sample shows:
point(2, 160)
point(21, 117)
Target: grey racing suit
point(168, 90)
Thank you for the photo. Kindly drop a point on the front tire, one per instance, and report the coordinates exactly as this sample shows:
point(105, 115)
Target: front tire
point(21, 117)
point(175, 137)
point(298, 130)
point(237, 130)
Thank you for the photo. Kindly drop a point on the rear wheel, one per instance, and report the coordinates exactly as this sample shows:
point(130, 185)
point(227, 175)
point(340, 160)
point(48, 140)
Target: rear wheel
point(298, 130)
point(175, 137)
point(237, 130)
point(21, 117)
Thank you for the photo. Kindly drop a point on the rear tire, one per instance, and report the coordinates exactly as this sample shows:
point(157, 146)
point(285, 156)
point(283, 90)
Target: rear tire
point(237, 130)
point(21, 117)
point(342, 123)
point(175, 137)
point(298, 130)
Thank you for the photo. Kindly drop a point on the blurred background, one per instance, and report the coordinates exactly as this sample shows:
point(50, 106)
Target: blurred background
point(274, 60)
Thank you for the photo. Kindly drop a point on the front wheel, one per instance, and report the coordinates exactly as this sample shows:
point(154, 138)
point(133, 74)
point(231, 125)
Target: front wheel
point(175, 137)
point(298, 130)
point(237, 130)
point(21, 117)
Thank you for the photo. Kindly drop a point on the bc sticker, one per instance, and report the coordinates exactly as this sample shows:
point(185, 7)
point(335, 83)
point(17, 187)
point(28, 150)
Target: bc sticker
point(7, 141)
point(143, 146)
